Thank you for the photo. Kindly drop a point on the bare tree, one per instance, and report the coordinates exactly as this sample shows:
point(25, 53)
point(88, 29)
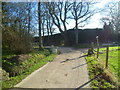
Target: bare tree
point(40, 23)
point(29, 15)
point(59, 13)
point(46, 22)
point(81, 12)
point(49, 25)
point(15, 23)
point(113, 15)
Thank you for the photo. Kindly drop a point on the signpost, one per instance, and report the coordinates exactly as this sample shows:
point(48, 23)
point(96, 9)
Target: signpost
point(107, 52)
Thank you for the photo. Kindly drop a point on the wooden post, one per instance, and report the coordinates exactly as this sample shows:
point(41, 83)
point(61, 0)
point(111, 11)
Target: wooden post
point(97, 46)
point(92, 47)
point(92, 44)
point(107, 52)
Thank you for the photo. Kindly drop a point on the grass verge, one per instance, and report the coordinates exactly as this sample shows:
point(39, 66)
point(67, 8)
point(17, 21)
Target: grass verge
point(97, 71)
point(14, 80)
point(106, 78)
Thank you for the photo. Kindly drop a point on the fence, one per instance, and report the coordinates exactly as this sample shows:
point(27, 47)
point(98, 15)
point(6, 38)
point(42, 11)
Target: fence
point(98, 52)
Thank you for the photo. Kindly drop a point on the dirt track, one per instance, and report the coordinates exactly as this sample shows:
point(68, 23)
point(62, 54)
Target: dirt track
point(67, 70)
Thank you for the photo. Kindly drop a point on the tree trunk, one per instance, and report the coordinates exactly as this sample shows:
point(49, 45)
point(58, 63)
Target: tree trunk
point(43, 33)
point(76, 31)
point(51, 33)
point(48, 33)
point(66, 39)
point(29, 18)
point(39, 21)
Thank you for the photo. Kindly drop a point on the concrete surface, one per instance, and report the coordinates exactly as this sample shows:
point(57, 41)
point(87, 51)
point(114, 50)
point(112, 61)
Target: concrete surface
point(67, 70)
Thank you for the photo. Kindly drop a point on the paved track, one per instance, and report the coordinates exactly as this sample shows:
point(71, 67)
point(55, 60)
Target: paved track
point(67, 70)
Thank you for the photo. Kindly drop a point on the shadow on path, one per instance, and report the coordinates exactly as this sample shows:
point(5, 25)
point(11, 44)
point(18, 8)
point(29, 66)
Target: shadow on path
point(73, 59)
point(78, 88)
point(81, 65)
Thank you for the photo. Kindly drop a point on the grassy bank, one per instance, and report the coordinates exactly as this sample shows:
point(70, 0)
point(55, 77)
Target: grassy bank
point(104, 78)
point(36, 60)
point(112, 63)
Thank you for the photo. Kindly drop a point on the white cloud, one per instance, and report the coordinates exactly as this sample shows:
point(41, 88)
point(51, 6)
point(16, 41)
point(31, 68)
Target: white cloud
point(102, 3)
point(71, 24)
point(95, 21)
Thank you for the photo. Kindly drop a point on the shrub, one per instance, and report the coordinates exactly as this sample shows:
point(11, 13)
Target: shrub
point(15, 42)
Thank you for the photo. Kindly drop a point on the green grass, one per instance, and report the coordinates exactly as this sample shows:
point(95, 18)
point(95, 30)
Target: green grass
point(112, 62)
point(110, 48)
point(97, 66)
point(14, 80)
point(95, 69)
point(42, 58)
point(6, 56)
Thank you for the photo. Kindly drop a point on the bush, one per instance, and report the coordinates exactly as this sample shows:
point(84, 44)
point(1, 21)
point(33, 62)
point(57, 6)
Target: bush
point(47, 52)
point(15, 42)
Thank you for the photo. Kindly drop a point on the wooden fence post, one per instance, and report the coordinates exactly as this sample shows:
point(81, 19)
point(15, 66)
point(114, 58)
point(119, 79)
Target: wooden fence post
point(92, 44)
point(97, 46)
point(107, 52)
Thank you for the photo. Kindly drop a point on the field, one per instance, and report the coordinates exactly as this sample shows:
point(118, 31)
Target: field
point(110, 76)
point(112, 63)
